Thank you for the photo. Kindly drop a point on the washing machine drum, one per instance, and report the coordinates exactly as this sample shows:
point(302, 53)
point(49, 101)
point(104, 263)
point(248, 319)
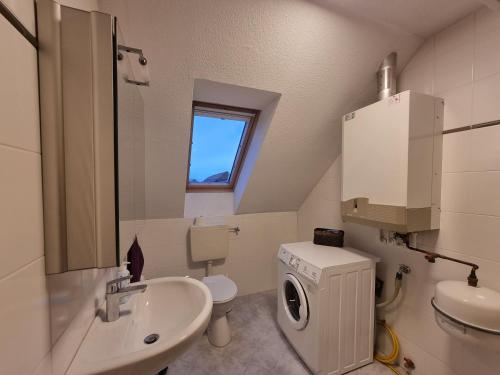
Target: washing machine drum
point(295, 302)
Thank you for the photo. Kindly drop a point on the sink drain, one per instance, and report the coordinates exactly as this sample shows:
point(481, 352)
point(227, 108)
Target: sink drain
point(149, 339)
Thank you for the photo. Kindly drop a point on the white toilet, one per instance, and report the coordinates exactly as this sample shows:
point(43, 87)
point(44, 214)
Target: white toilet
point(223, 291)
point(207, 244)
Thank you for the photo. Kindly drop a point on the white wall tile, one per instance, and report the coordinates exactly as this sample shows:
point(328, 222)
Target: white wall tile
point(426, 334)
point(456, 36)
point(427, 363)
point(30, 328)
point(24, 10)
point(164, 232)
point(24, 313)
point(419, 79)
point(419, 72)
point(470, 200)
point(66, 294)
point(474, 235)
point(453, 68)
point(478, 360)
point(244, 274)
point(252, 253)
point(21, 222)
point(457, 106)
point(460, 154)
point(471, 192)
point(19, 90)
point(424, 56)
point(454, 52)
point(75, 298)
point(486, 103)
point(487, 40)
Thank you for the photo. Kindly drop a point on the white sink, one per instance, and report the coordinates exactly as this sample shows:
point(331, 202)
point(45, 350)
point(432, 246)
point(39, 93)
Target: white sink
point(178, 309)
point(468, 313)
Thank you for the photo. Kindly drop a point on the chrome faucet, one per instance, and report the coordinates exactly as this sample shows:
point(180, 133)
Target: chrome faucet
point(114, 293)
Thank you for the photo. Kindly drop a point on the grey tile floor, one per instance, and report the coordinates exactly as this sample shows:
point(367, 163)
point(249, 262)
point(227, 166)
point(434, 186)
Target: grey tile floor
point(257, 348)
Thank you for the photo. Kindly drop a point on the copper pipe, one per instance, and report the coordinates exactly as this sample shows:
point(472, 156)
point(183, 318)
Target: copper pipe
point(431, 256)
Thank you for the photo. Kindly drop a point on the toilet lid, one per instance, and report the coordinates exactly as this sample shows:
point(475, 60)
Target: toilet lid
point(223, 289)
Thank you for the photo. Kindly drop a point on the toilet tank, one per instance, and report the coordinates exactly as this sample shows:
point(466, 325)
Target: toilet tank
point(391, 163)
point(209, 242)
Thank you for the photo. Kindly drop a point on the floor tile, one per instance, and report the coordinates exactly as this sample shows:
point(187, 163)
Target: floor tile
point(257, 347)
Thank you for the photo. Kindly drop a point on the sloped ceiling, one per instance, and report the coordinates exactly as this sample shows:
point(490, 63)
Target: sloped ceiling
point(418, 17)
point(321, 59)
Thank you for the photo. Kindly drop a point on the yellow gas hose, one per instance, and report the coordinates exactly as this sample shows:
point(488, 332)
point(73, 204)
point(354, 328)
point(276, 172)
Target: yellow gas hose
point(388, 360)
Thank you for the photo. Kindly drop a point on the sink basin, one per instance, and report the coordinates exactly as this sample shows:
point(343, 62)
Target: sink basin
point(468, 313)
point(177, 309)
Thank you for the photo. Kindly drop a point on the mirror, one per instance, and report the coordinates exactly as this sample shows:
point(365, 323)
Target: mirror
point(78, 130)
point(93, 139)
point(131, 149)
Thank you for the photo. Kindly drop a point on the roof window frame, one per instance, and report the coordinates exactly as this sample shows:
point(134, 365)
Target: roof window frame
point(219, 110)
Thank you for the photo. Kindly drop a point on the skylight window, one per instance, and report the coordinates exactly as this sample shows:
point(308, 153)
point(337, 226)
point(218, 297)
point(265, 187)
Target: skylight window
point(219, 139)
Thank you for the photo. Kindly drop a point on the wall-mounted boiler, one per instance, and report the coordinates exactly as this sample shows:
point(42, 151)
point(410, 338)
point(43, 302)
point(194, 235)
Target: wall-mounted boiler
point(391, 163)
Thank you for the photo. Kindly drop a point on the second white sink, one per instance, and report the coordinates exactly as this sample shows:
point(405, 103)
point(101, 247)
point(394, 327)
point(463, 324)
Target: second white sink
point(468, 313)
point(177, 309)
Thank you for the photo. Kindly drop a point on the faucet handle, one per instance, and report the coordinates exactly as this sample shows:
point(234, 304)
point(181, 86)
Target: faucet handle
point(113, 286)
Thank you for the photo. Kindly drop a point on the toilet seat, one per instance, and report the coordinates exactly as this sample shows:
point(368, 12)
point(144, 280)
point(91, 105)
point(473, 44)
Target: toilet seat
point(222, 288)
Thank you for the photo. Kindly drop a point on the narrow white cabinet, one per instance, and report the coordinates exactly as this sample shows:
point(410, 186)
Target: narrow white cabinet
point(391, 163)
point(78, 124)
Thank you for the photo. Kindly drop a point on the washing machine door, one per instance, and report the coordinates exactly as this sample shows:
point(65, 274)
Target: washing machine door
point(295, 302)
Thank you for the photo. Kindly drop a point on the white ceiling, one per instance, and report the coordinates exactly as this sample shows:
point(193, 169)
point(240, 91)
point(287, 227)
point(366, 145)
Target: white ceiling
point(321, 60)
point(418, 17)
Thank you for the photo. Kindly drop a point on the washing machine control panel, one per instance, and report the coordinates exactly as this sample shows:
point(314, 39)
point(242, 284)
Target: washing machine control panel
point(300, 266)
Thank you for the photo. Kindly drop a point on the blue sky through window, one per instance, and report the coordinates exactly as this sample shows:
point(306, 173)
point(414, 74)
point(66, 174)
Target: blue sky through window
point(214, 147)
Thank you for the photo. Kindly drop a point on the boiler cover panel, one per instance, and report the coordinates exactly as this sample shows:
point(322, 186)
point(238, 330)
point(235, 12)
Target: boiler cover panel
point(375, 152)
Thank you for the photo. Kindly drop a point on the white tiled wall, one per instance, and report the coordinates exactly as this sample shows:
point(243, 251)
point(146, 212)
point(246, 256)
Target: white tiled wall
point(24, 311)
point(252, 253)
point(74, 299)
point(462, 65)
point(43, 319)
point(74, 296)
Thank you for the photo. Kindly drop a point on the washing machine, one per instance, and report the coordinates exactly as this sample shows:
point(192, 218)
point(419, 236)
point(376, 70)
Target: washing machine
point(326, 305)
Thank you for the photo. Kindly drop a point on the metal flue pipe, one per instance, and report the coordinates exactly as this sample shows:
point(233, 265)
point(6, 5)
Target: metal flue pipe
point(386, 76)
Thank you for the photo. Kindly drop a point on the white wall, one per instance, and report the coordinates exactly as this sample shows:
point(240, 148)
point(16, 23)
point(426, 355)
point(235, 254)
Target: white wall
point(208, 204)
point(321, 61)
point(43, 319)
point(252, 253)
point(462, 65)
point(74, 296)
point(24, 311)
point(321, 209)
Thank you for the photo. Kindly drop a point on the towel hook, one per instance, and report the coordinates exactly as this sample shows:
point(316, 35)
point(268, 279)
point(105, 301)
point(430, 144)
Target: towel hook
point(142, 60)
point(235, 230)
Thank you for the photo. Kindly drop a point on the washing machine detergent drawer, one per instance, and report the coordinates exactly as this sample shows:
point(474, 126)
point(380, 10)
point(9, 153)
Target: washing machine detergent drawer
point(300, 266)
